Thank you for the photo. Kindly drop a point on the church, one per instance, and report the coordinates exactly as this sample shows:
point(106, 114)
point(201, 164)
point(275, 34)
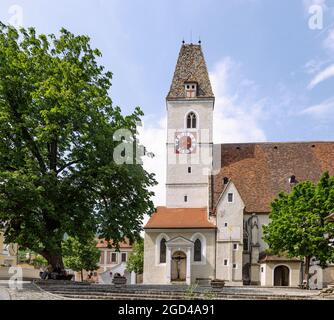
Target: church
point(218, 195)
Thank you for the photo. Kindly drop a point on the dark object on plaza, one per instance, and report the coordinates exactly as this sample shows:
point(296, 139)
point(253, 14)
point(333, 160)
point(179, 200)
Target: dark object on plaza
point(119, 280)
point(57, 274)
point(217, 284)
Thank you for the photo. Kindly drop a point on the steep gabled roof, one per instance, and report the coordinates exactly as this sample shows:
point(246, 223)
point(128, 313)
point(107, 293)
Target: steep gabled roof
point(190, 67)
point(179, 218)
point(261, 170)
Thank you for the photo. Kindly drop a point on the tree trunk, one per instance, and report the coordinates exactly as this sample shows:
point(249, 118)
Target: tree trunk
point(81, 275)
point(307, 271)
point(55, 260)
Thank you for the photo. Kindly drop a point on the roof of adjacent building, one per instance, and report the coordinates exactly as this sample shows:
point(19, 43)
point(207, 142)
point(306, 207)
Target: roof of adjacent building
point(277, 258)
point(331, 217)
point(190, 67)
point(261, 170)
point(179, 218)
point(102, 243)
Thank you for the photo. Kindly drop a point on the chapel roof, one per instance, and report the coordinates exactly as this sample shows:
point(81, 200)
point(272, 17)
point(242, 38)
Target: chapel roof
point(179, 218)
point(278, 258)
point(261, 170)
point(190, 67)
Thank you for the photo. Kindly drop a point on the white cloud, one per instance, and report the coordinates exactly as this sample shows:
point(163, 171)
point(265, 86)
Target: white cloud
point(309, 3)
point(153, 136)
point(237, 112)
point(323, 110)
point(315, 65)
point(322, 76)
point(329, 41)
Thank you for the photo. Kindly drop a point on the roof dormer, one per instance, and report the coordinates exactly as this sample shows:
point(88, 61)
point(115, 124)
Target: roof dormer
point(190, 89)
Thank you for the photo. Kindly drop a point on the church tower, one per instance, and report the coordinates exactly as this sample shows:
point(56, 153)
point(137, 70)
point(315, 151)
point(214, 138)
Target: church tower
point(190, 104)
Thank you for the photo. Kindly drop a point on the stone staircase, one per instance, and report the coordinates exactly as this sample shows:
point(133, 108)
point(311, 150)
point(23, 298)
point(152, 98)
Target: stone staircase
point(86, 291)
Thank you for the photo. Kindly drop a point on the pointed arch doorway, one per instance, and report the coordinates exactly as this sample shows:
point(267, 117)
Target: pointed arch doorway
point(179, 266)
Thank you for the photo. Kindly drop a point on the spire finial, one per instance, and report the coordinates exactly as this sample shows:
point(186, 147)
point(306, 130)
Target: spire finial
point(199, 40)
point(183, 42)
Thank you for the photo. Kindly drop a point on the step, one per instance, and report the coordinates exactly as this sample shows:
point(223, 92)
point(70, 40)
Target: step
point(170, 296)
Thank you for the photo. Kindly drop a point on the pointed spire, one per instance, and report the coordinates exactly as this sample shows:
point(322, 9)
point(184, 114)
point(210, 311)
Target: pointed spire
point(190, 67)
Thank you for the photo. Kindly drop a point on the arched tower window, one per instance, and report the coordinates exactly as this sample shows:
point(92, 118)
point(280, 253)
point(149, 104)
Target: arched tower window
point(198, 250)
point(163, 250)
point(191, 121)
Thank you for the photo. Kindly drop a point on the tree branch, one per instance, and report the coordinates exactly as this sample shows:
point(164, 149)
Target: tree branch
point(26, 135)
point(67, 165)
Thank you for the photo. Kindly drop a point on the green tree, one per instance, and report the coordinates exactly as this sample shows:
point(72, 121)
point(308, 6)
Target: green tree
point(135, 261)
point(80, 256)
point(39, 262)
point(298, 225)
point(58, 135)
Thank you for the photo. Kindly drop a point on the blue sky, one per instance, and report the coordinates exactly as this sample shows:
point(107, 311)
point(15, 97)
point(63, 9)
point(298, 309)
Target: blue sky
point(272, 75)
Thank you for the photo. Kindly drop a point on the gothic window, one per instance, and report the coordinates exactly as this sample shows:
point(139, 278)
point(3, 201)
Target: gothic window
point(163, 251)
point(191, 121)
point(198, 250)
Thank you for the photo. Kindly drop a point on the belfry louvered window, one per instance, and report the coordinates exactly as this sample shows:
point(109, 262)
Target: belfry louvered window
point(191, 121)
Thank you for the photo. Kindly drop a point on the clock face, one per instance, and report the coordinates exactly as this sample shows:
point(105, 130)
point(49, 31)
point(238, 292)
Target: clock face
point(185, 143)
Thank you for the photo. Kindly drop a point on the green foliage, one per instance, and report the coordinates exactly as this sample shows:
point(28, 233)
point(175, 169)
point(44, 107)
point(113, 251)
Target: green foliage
point(190, 291)
point(135, 261)
point(80, 256)
point(298, 221)
point(23, 256)
point(39, 261)
point(30, 257)
point(209, 295)
point(57, 123)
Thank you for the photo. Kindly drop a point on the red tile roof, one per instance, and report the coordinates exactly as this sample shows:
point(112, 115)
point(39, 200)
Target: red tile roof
point(331, 217)
point(179, 218)
point(276, 258)
point(102, 243)
point(261, 170)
